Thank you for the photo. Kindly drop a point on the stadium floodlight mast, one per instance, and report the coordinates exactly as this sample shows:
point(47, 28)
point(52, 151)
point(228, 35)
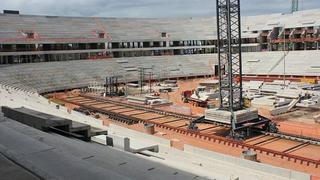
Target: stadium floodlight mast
point(229, 56)
point(294, 6)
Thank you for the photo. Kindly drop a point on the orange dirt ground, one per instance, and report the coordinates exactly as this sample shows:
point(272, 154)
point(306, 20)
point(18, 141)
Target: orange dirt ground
point(299, 122)
point(175, 96)
point(304, 126)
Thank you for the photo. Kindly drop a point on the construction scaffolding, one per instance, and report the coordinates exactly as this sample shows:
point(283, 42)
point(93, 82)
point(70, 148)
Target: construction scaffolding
point(112, 86)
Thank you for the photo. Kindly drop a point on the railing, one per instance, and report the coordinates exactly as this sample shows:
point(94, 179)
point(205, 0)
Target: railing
point(297, 40)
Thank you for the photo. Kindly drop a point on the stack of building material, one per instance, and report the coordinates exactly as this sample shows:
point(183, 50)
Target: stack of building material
point(158, 102)
point(132, 85)
point(300, 85)
point(210, 83)
point(137, 99)
point(270, 89)
point(313, 102)
point(169, 83)
point(222, 116)
point(290, 93)
point(281, 82)
point(165, 89)
point(267, 102)
point(252, 86)
point(284, 109)
point(151, 96)
point(282, 102)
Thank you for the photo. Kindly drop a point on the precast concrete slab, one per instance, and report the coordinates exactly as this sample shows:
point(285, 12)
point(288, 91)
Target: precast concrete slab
point(222, 116)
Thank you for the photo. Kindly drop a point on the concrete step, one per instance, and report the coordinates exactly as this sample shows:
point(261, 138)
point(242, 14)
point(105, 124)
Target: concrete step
point(47, 122)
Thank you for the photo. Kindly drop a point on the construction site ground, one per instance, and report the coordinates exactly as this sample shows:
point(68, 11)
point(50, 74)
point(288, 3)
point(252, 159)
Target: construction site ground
point(178, 139)
point(299, 122)
point(183, 85)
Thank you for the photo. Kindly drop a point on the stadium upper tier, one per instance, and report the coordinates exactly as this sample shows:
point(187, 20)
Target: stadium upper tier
point(54, 29)
point(55, 76)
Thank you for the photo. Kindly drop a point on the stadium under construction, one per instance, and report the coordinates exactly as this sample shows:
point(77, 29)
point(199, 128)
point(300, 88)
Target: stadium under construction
point(232, 97)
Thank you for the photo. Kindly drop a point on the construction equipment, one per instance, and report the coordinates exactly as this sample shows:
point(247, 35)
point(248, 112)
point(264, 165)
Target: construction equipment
point(229, 54)
point(112, 86)
point(231, 111)
point(187, 97)
point(197, 102)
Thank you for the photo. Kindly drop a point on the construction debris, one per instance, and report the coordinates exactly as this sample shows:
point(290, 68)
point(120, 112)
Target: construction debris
point(281, 97)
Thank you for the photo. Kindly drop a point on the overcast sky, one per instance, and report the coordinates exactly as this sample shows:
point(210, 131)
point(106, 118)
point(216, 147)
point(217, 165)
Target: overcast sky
point(146, 8)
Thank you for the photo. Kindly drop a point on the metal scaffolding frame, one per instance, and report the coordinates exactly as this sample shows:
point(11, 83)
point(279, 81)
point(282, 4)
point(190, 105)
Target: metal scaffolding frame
point(229, 53)
point(112, 86)
point(142, 73)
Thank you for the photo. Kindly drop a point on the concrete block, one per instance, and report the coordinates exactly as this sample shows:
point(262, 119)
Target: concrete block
point(137, 148)
point(125, 144)
point(36, 119)
point(80, 128)
point(43, 121)
point(118, 142)
point(132, 133)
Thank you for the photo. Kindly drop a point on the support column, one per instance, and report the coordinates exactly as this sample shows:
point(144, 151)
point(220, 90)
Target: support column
point(305, 46)
point(14, 47)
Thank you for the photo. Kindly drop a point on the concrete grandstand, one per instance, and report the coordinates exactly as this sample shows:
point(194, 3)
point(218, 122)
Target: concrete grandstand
point(28, 38)
point(57, 76)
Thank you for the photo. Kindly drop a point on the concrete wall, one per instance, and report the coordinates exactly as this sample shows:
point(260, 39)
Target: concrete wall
point(254, 166)
point(208, 163)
